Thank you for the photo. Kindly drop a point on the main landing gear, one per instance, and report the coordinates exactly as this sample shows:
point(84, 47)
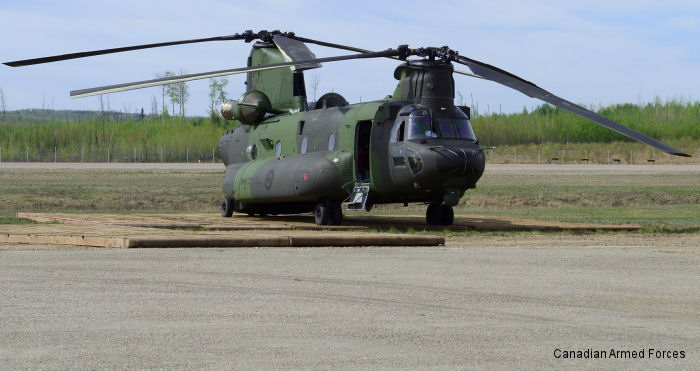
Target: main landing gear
point(328, 213)
point(439, 214)
point(227, 207)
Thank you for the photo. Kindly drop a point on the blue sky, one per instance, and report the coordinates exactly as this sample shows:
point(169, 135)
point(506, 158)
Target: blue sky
point(593, 52)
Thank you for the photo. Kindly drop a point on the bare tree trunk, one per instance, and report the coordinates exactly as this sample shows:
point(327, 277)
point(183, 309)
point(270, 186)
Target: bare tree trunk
point(2, 103)
point(315, 80)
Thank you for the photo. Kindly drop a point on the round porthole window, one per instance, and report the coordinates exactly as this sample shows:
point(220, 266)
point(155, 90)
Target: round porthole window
point(304, 145)
point(331, 142)
point(278, 148)
point(252, 152)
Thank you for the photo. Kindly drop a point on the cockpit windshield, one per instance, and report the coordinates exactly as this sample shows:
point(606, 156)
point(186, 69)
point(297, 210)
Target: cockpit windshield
point(456, 128)
point(420, 125)
point(415, 122)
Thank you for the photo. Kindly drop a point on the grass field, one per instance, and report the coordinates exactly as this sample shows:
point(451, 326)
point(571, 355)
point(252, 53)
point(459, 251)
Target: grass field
point(525, 137)
point(658, 200)
point(648, 195)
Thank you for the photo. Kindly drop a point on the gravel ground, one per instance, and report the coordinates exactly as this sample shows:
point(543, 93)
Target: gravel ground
point(482, 301)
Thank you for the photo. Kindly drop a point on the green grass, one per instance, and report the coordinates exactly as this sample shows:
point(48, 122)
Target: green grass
point(659, 201)
point(116, 141)
point(106, 191)
point(546, 130)
point(8, 217)
point(671, 120)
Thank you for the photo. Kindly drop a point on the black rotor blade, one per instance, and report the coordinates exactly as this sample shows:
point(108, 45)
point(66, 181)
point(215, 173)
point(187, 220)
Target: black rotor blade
point(329, 45)
point(199, 76)
point(359, 50)
point(63, 57)
point(500, 76)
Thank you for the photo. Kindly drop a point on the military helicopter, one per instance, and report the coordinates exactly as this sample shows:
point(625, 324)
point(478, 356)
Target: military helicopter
point(286, 157)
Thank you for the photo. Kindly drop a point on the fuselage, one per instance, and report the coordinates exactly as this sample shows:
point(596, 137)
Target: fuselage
point(291, 161)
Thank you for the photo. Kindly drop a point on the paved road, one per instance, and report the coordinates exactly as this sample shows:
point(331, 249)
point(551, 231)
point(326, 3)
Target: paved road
point(461, 306)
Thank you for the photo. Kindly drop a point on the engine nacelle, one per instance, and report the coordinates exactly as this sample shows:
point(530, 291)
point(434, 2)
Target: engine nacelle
point(249, 109)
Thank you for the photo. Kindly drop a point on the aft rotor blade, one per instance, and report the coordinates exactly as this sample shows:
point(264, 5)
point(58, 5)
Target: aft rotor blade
point(205, 75)
point(63, 57)
point(500, 76)
point(294, 50)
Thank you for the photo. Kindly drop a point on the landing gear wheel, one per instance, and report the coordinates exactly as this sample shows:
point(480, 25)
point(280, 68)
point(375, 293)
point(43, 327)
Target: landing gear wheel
point(433, 216)
point(336, 213)
point(322, 214)
point(227, 207)
point(328, 213)
point(447, 214)
point(439, 214)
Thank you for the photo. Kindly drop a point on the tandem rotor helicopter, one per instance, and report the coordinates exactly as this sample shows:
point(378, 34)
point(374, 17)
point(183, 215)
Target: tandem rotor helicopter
point(286, 157)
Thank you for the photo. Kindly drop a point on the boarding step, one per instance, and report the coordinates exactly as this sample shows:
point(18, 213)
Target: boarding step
point(357, 199)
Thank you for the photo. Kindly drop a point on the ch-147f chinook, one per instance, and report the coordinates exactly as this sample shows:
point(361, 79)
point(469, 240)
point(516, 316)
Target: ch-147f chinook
point(414, 146)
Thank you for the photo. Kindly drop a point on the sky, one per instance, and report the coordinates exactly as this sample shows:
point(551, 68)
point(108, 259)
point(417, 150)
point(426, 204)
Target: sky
point(590, 52)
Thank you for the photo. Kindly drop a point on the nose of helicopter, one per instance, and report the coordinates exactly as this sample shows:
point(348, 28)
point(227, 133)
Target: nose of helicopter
point(460, 160)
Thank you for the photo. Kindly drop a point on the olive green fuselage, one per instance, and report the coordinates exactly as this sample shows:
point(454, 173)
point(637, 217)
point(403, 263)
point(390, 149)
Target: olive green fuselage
point(291, 161)
point(414, 146)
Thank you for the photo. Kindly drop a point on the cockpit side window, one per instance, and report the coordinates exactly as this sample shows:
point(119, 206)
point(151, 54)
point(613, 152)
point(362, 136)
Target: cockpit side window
point(463, 127)
point(398, 132)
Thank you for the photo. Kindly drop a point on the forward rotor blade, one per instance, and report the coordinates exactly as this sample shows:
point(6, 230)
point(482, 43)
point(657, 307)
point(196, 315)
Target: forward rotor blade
point(205, 75)
point(359, 50)
point(500, 76)
point(63, 57)
point(329, 45)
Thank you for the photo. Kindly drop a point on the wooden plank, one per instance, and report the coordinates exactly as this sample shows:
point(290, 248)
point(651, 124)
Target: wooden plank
point(76, 234)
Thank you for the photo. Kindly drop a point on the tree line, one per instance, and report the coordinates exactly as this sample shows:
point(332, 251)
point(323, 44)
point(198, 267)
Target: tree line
point(176, 93)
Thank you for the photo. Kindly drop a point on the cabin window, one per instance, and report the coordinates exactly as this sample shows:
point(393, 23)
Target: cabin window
point(252, 152)
point(304, 145)
point(331, 142)
point(414, 161)
point(278, 148)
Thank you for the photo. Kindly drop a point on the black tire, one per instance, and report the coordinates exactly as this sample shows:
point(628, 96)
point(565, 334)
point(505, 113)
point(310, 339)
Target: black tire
point(227, 207)
point(447, 215)
point(322, 213)
point(433, 216)
point(336, 213)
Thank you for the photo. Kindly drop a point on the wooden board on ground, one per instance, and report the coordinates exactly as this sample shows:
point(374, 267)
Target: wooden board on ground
point(102, 235)
point(204, 230)
point(212, 222)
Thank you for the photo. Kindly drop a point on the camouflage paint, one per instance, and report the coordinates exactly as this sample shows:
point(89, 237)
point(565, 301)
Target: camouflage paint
point(327, 169)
